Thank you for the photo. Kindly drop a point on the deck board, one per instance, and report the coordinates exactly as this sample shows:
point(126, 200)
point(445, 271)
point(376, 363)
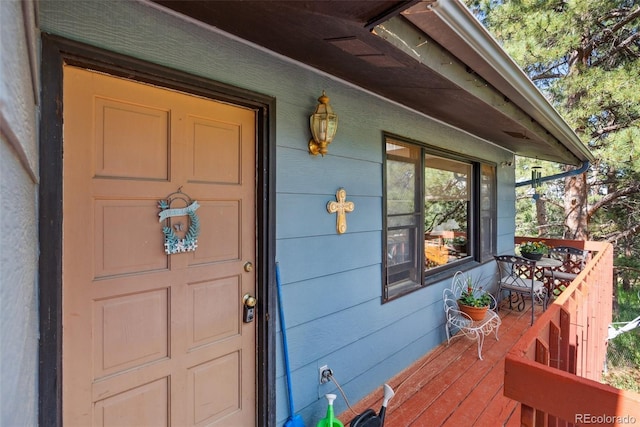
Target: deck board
point(450, 386)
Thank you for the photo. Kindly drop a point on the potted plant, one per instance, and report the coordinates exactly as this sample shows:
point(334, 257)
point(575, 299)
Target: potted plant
point(533, 250)
point(474, 301)
point(460, 244)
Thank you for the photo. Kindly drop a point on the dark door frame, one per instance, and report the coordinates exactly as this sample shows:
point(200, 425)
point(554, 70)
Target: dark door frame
point(57, 52)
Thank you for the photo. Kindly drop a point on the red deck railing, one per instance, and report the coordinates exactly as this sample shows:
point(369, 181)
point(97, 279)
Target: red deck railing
point(555, 368)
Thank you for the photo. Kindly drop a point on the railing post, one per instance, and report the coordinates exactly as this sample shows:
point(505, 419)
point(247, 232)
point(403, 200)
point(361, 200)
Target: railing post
point(527, 416)
point(565, 345)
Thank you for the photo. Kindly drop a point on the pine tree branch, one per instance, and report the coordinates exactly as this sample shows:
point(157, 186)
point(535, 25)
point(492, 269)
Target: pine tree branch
point(547, 72)
point(624, 234)
point(608, 129)
point(631, 189)
point(630, 16)
point(617, 48)
point(627, 268)
point(606, 34)
point(547, 76)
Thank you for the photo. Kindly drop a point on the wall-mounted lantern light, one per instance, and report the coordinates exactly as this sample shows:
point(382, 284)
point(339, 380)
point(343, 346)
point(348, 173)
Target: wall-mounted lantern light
point(324, 124)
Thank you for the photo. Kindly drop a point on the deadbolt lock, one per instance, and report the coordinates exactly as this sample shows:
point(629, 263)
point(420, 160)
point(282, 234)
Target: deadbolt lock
point(249, 308)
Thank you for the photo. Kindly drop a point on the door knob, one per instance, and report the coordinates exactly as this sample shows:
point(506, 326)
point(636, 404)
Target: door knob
point(248, 267)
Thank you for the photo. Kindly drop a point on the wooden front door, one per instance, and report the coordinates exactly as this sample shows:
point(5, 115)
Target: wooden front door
point(151, 339)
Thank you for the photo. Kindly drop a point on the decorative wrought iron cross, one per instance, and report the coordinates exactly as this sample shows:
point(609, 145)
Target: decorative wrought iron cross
point(341, 207)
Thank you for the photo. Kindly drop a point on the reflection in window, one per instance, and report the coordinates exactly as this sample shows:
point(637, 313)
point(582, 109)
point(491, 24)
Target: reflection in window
point(447, 204)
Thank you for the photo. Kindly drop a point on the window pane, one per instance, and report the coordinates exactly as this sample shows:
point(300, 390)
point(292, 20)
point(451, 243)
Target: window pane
point(403, 271)
point(401, 187)
point(404, 224)
point(447, 206)
point(400, 220)
point(488, 212)
point(400, 245)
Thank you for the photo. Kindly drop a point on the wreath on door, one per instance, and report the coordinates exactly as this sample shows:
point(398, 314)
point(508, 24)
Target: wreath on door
point(173, 244)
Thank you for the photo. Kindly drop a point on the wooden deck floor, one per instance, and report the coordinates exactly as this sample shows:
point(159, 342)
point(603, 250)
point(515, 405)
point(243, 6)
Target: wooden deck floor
point(450, 386)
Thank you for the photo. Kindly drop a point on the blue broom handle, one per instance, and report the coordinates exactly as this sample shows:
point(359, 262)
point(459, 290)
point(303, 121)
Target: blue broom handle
point(285, 347)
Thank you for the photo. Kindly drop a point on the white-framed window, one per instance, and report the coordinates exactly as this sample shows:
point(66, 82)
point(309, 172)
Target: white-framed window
point(440, 213)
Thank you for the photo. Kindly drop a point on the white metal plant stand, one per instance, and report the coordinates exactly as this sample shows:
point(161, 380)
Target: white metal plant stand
point(457, 320)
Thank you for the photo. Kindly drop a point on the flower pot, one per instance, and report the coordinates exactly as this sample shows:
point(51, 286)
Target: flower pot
point(530, 255)
point(476, 313)
point(460, 248)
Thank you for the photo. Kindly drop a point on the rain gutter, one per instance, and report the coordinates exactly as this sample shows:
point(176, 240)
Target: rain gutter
point(581, 169)
point(455, 15)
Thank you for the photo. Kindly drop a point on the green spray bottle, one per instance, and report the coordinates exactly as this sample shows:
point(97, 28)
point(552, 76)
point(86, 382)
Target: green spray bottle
point(330, 420)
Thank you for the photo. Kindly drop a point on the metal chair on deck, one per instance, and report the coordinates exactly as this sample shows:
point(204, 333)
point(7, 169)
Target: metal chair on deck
point(573, 261)
point(456, 320)
point(518, 276)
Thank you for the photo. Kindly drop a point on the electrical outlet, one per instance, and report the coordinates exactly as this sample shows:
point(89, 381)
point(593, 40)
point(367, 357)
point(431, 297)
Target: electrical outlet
point(324, 373)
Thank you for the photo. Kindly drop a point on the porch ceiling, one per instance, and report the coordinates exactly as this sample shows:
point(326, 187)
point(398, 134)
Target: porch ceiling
point(395, 49)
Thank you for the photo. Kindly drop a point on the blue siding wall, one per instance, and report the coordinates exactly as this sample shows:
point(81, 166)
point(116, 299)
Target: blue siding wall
point(506, 209)
point(331, 283)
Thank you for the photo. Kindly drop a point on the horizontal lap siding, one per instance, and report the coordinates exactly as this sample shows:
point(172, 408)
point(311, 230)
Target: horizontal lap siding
point(506, 209)
point(298, 172)
point(311, 257)
point(331, 283)
point(291, 207)
point(19, 177)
